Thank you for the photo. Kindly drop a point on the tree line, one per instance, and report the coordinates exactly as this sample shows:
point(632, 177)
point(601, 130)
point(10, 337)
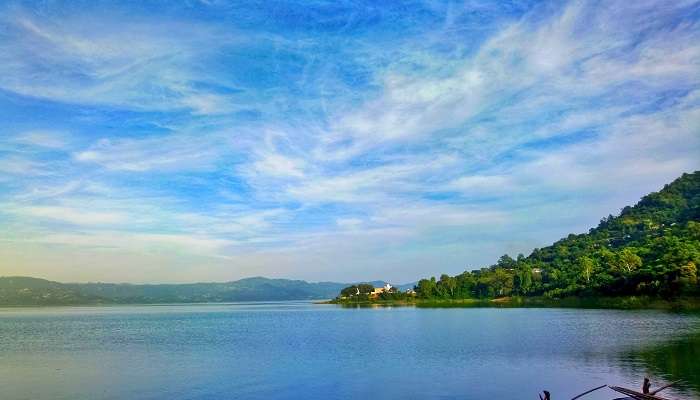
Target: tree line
point(652, 248)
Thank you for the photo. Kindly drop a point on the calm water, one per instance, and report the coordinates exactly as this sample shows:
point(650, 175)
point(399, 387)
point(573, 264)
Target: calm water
point(296, 350)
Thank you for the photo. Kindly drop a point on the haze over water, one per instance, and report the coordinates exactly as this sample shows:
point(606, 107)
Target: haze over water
point(293, 350)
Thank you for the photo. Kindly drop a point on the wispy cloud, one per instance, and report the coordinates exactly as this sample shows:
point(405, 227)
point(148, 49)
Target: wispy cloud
point(43, 139)
point(130, 63)
point(179, 152)
point(75, 216)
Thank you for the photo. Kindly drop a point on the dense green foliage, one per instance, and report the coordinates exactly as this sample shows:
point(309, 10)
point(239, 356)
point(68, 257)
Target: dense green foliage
point(361, 289)
point(32, 291)
point(362, 292)
point(650, 249)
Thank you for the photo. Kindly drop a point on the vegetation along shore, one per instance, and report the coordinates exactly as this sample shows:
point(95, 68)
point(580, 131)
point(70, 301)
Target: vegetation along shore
point(645, 257)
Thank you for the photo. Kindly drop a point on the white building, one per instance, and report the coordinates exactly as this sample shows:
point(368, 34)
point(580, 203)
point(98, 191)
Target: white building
point(379, 290)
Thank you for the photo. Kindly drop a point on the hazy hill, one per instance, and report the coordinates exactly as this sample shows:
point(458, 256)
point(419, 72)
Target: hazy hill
point(33, 291)
point(18, 290)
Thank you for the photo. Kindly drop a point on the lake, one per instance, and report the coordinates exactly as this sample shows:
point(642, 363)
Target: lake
point(293, 350)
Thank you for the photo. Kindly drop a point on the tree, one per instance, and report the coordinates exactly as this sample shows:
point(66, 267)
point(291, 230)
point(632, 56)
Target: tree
point(349, 291)
point(483, 287)
point(447, 286)
point(587, 267)
point(365, 288)
point(502, 282)
point(628, 261)
point(694, 229)
point(506, 262)
point(522, 280)
point(689, 274)
point(465, 285)
point(426, 287)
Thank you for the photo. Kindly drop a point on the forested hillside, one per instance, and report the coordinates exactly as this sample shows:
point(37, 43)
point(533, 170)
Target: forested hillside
point(33, 291)
point(652, 248)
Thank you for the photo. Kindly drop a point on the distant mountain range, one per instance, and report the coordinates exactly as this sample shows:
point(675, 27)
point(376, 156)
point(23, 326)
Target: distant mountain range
point(33, 291)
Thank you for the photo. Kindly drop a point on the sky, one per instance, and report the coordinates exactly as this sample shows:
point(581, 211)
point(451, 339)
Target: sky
point(179, 141)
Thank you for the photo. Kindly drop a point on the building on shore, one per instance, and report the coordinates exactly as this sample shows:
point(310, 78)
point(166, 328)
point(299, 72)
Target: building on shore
point(377, 291)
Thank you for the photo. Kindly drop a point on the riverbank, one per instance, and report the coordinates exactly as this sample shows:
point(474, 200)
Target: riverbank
point(621, 303)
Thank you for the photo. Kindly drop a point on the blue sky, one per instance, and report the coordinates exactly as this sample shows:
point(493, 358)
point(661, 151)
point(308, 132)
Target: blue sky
point(329, 140)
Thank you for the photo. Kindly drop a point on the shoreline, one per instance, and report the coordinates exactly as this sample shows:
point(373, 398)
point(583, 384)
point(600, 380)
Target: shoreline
point(615, 303)
point(165, 304)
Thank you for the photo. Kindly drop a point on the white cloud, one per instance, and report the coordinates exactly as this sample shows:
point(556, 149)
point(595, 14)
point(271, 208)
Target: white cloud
point(277, 165)
point(100, 61)
point(480, 184)
point(73, 216)
point(144, 242)
point(423, 216)
point(560, 62)
point(171, 152)
point(43, 139)
point(348, 223)
point(372, 184)
point(15, 165)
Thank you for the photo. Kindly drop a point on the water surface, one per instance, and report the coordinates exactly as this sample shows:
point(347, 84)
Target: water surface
point(293, 350)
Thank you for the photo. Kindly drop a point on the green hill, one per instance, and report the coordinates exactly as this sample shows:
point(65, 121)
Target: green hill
point(33, 291)
point(18, 290)
point(652, 248)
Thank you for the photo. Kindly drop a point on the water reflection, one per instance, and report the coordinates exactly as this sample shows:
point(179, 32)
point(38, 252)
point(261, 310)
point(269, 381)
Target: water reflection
point(678, 359)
